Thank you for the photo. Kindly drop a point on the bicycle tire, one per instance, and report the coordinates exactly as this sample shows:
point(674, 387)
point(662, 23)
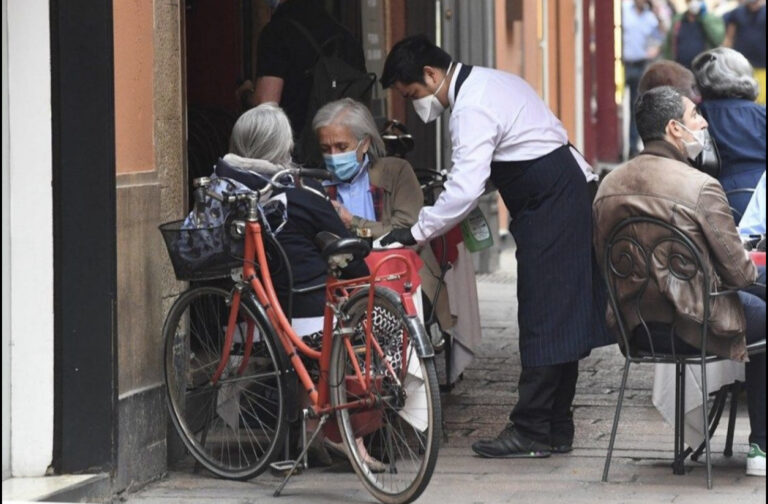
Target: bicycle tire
point(235, 427)
point(408, 467)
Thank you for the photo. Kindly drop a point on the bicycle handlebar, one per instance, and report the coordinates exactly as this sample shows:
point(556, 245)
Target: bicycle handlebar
point(273, 183)
point(315, 173)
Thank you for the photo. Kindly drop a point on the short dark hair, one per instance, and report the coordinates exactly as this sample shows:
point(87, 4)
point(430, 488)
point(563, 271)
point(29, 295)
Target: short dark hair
point(669, 73)
point(654, 109)
point(406, 61)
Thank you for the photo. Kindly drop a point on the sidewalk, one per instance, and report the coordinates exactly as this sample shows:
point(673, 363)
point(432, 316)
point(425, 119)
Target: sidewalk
point(478, 407)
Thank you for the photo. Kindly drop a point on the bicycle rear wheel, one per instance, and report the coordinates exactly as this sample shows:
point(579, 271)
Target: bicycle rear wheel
point(235, 426)
point(392, 444)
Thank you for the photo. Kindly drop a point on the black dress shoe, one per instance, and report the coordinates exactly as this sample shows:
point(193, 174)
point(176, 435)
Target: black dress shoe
point(510, 444)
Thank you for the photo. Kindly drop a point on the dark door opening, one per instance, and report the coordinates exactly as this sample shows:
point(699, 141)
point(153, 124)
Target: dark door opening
point(221, 51)
point(85, 241)
point(221, 42)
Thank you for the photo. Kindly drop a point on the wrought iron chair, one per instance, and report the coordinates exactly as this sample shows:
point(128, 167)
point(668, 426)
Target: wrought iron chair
point(629, 258)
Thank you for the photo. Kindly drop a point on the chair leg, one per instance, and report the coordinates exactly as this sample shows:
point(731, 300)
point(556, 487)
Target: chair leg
point(704, 412)
point(733, 390)
point(678, 465)
point(715, 413)
point(616, 420)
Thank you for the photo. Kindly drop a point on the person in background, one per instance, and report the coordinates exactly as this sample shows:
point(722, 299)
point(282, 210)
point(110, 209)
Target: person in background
point(660, 183)
point(692, 32)
point(736, 122)
point(722, 7)
point(285, 57)
point(371, 191)
point(643, 30)
point(745, 32)
point(670, 73)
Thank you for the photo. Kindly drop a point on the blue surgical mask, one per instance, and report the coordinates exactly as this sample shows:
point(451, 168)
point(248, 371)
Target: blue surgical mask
point(273, 4)
point(344, 165)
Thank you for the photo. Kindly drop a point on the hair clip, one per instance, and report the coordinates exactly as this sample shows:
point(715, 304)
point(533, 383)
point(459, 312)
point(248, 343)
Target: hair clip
point(706, 58)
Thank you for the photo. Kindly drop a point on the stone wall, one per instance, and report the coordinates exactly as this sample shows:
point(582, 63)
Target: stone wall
point(146, 284)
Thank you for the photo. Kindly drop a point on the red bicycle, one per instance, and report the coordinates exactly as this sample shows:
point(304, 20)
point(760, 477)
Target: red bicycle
point(232, 360)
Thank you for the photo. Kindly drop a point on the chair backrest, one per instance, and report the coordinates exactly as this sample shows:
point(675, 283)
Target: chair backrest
point(643, 252)
point(747, 191)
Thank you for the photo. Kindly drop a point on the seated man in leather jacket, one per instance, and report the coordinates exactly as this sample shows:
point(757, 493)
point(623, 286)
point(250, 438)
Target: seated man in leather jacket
point(661, 183)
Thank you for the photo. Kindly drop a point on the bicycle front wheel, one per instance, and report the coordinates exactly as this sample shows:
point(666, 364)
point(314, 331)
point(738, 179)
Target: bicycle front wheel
point(233, 427)
point(392, 441)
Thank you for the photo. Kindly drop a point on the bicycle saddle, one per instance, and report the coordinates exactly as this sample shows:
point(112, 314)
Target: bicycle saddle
point(331, 245)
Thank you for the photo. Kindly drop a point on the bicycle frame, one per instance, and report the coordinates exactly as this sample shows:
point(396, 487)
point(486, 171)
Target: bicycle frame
point(261, 283)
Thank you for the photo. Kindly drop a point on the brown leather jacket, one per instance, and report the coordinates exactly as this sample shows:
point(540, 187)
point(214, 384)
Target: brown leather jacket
point(660, 183)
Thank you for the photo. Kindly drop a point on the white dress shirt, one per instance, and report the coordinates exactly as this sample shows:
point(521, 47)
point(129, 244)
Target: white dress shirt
point(753, 221)
point(498, 117)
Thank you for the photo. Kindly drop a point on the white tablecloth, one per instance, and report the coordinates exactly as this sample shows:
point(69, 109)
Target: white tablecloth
point(461, 286)
point(719, 374)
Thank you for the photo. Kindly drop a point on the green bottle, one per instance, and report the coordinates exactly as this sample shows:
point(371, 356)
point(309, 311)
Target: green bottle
point(476, 232)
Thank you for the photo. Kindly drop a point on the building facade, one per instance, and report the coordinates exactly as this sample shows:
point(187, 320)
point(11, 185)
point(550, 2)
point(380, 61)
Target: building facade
point(110, 108)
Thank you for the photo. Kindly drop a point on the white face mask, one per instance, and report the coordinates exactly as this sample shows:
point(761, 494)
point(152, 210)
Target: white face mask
point(429, 107)
point(694, 147)
point(694, 7)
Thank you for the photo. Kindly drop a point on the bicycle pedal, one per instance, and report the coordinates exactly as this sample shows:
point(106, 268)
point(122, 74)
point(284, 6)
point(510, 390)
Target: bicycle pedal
point(281, 468)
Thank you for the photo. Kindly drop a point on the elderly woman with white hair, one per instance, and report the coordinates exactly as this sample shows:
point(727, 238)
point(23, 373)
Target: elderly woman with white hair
point(736, 122)
point(261, 144)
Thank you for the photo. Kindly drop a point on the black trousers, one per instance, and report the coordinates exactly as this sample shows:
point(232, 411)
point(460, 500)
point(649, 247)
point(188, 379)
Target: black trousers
point(753, 301)
point(543, 411)
point(632, 72)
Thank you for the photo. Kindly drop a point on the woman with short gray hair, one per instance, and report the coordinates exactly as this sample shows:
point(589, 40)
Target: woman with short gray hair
point(371, 192)
point(736, 122)
point(355, 117)
point(261, 144)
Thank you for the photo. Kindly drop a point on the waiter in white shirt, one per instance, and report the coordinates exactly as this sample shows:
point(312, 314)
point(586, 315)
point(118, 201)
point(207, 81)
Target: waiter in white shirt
point(501, 130)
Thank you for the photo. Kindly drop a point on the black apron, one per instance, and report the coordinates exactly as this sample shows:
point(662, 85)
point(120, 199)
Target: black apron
point(561, 297)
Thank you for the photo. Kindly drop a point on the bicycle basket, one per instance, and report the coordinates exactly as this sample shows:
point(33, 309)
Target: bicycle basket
point(201, 253)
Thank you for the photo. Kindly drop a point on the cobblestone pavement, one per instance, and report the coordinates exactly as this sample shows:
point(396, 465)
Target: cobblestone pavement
point(478, 407)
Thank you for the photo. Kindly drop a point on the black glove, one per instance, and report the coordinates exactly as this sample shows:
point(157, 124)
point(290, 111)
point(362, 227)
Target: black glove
point(402, 235)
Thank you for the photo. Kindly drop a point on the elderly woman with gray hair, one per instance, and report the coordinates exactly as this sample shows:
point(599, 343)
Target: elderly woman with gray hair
point(261, 144)
point(736, 122)
point(377, 193)
point(370, 191)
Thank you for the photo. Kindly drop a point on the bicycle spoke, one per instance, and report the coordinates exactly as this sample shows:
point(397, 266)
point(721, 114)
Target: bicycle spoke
point(398, 428)
point(233, 428)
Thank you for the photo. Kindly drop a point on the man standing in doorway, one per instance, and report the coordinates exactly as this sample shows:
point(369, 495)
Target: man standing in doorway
point(501, 130)
point(286, 54)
